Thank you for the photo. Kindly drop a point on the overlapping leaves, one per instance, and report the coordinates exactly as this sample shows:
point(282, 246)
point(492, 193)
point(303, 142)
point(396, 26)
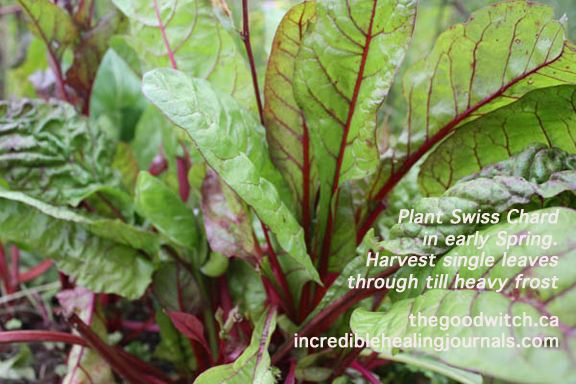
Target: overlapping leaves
point(188, 36)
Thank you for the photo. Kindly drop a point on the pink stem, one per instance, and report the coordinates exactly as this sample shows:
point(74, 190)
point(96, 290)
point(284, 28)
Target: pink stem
point(366, 373)
point(170, 53)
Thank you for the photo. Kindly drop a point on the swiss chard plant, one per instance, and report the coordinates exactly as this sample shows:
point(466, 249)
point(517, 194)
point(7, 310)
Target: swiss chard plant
point(198, 221)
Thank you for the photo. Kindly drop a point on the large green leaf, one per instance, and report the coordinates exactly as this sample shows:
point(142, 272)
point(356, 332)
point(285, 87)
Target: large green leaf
point(103, 255)
point(199, 45)
point(166, 211)
point(253, 365)
point(343, 73)
point(286, 129)
point(232, 141)
point(50, 152)
point(502, 53)
point(537, 172)
point(530, 365)
point(117, 97)
point(547, 115)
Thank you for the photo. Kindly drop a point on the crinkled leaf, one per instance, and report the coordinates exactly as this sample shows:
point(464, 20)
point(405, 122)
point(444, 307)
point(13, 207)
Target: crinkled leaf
point(50, 152)
point(226, 219)
point(166, 211)
point(176, 289)
point(103, 255)
point(538, 171)
point(231, 141)
point(200, 45)
point(504, 51)
point(253, 365)
point(286, 129)
point(531, 365)
point(546, 115)
point(85, 365)
point(50, 23)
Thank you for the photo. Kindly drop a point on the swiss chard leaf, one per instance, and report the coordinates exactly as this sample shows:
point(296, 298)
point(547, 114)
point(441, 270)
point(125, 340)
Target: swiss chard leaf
point(176, 289)
point(286, 129)
point(231, 141)
point(50, 152)
point(87, 56)
point(547, 115)
point(538, 171)
point(253, 365)
point(103, 255)
point(227, 220)
point(514, 364)
point(343, 73)
point(166, 211)
point(50, 23)
point(502, 53)
point(188, 36)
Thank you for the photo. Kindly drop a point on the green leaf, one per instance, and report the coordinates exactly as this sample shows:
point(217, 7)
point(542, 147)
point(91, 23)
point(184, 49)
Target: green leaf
point(538, 171)
point(238, 155)
point(50, 152)
point(174, 347)
point(117, 96)
point(166, 211)
point(247, 289)
point(103, 255)
point(87, 56)
point(504, 51)
point(286, 129)
point(200, 45)
point(514, 364)
point(546, 115)
point(176, 289)
point(253, 365)
point(50, 23)
point(343, 73)
point(126, 163)
point(227, 220)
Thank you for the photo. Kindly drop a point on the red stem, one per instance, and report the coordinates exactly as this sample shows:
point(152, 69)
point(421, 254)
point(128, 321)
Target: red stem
point(36, 271)
point(328, 235)
point(68, 338)
point(439, 136)
point(110, 206)
point(108, 353)
point(366, 373)
point(15, 261)
point(369, 221)
point(4, 274)
point(279, 275)
point(164, 37)
point(339, 306)
point(246, 38)
point(183, 184)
